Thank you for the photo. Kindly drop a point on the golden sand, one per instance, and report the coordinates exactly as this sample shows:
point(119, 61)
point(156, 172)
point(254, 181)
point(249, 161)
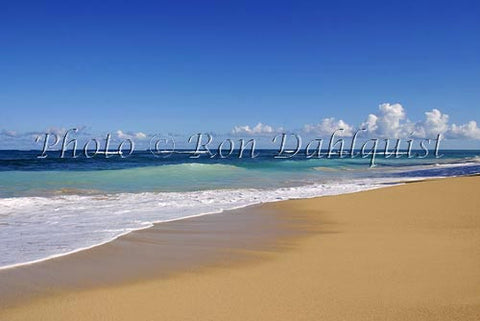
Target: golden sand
point(409, 252)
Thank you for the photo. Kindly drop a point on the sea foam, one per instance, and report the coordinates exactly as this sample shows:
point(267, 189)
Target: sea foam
point(38, 228)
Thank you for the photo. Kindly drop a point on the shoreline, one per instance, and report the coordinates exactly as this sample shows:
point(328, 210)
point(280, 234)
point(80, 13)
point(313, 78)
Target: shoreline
point(282, 239)
point(39, 276)
point(152, 224)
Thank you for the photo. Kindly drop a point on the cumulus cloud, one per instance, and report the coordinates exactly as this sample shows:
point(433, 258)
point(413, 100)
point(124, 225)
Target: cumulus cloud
point(328, 126)
point(130, 135)
point(468, 130)
point(257, 129)
point(390, 121)
point(435, 122)
point(370, 124)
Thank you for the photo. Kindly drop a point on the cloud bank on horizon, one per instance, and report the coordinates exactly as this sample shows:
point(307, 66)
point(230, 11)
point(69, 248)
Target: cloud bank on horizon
point(390, 122)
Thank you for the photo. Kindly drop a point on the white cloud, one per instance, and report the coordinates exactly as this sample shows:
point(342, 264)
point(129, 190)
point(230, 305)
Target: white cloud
point(140, 135)
point(389, 122)
point(469, 130)
point(371, 123)
point(328, 126)
point(130, 135)
point(122, 135)
point(392, 122)
point(257, 129)
point(436, 122)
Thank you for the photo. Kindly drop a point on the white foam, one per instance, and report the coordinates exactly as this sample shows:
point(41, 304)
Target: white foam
point(34, 229)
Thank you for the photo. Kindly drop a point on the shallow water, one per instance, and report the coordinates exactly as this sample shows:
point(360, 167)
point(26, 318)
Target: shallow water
point(51, 207)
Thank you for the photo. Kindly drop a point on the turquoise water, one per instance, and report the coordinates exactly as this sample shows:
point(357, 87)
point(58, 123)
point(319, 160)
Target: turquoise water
point(51, 207)
point(22, 174)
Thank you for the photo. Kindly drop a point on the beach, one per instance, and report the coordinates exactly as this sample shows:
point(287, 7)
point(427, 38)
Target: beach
point(240, 161)
point(404, 252)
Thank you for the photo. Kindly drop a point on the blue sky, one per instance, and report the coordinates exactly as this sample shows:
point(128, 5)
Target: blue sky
point(189, 66)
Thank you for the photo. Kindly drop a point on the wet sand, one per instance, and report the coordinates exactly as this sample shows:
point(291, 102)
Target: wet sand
point(166, 249)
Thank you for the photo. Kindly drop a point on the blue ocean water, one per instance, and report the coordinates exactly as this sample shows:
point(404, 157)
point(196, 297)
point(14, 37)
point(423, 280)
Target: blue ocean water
point(54, 206)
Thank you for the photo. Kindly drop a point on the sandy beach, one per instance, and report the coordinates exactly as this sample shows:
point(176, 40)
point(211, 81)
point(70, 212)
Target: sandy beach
point(408, 252)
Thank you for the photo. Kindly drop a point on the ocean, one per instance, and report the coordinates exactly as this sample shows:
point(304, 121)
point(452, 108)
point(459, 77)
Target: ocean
point(52, 207)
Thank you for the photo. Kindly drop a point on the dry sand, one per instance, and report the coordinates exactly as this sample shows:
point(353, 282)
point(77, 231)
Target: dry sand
point(409, 252)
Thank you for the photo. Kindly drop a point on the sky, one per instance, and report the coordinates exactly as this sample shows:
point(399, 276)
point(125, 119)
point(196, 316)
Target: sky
point(135, 68)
